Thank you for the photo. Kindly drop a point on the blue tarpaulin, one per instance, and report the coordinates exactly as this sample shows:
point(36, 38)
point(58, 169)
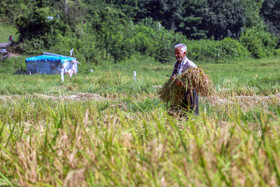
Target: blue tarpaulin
point(49, 63)
point(49, 58)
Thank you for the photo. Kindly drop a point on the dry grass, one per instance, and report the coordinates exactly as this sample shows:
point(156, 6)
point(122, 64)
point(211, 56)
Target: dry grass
point(49, 139)
point(191, 79)
point(74, 145)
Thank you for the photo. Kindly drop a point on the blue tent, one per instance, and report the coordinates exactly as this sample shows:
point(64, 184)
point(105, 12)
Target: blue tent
point(47, 63)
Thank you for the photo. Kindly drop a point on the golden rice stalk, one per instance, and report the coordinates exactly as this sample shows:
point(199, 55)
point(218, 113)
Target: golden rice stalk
point(191, 79)
point(172, 93)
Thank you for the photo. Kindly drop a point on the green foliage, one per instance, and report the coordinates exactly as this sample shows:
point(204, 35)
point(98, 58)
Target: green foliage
point(179, 16)
point(6, 31)
point(259, 42)
point(152, 39)
point(114, 33)
point(165, 11)
point(33, 46)
point(224, 18)
point(85, 48)
point(202, 50)
point(232, 49)
point(191, 22)
point(101, 31)
point(36, 31)
point(211, 50)
point(11, 9)
point(11, 65)
point(253, 18)
point(270, 12)
point(195, 18)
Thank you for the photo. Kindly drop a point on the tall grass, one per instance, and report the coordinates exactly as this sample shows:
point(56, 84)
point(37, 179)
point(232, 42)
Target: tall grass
point(6, 31)
point(105, 129)
point(44, 142)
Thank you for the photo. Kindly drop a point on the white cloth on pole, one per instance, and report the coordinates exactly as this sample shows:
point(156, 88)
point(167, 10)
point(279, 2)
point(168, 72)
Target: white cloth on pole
point(71, 52)
point(134, 75)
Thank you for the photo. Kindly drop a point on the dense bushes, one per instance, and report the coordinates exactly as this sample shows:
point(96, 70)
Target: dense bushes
point(259, 42)
point(109, 34)
point(121, 41)
point(36, 31)
point(209, 50)
point(151, 40)
point(232, 49)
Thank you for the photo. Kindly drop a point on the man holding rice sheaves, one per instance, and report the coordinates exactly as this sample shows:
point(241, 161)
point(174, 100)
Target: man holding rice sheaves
point(186, 82)
point(190, 100)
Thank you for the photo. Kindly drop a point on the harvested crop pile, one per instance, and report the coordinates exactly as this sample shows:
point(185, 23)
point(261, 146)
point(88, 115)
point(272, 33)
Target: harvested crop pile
point(191, 79)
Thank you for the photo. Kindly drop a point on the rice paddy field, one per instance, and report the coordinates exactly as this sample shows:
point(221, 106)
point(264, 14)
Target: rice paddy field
point(103, 128)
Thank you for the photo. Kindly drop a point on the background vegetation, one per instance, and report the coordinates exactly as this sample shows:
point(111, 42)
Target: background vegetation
point(104, 30)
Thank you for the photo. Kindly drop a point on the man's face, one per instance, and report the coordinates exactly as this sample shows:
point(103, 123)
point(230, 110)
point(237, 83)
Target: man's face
point(179, 54)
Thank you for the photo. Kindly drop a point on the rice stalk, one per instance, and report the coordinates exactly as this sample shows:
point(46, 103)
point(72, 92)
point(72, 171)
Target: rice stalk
point(191, 79)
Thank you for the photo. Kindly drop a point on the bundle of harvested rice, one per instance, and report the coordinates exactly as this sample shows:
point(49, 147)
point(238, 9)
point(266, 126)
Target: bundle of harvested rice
point(191, 79)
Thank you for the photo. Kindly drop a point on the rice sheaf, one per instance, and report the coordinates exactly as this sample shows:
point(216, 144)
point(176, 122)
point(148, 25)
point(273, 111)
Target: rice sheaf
point(191, 79)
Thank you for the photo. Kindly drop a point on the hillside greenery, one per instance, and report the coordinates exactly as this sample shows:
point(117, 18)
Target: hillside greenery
point(105, 30)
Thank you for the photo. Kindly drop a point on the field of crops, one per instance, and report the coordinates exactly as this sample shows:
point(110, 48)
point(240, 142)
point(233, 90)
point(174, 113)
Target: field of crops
point(103, 128)
point(6, 31)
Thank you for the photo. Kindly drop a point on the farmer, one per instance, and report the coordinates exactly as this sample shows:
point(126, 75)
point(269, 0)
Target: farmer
point(190, 100)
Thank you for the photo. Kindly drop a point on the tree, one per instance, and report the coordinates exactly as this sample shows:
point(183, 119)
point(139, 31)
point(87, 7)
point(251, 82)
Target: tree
point(224, 18)
point(270, 12)
point(190, 23)
point(252, 10)
point(11, 9)
point(36, 26)
point(165, 11)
